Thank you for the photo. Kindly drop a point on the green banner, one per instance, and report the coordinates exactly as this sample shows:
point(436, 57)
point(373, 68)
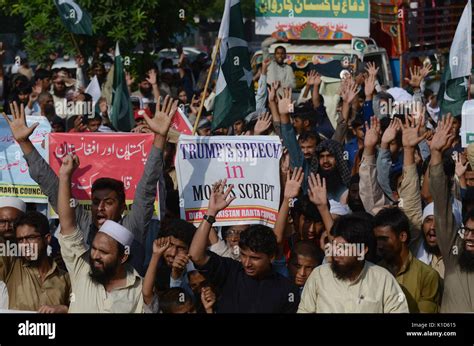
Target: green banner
point(312, 8)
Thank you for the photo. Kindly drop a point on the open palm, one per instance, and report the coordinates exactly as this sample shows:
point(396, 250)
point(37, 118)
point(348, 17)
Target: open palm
point(21, 132)
point(160, 123)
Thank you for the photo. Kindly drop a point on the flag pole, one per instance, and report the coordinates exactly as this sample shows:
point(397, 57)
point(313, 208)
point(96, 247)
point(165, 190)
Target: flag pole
point(216, 51)
point(469, 88)
point(75, 43)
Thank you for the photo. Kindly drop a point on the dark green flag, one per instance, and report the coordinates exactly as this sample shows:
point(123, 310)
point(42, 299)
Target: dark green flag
point(235, 96)
point(74, 18)
point(121, 115)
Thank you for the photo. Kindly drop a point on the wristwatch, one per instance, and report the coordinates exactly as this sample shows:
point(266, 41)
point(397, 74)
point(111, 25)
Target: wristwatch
point(209, 218)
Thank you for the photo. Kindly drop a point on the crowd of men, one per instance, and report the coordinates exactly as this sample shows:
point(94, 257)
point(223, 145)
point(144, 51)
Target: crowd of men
point(376, 212)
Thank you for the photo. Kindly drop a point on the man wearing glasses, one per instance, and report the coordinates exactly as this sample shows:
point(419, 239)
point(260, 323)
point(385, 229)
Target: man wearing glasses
point(33, 280)
point(11, 209)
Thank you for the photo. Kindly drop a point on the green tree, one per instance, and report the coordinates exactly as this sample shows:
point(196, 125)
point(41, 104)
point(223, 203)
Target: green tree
point(131, 23)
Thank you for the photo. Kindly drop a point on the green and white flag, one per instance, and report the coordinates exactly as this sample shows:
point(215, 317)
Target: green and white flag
point(454, 89)
point(74, 18)
point(121, 114)
point(235, 96)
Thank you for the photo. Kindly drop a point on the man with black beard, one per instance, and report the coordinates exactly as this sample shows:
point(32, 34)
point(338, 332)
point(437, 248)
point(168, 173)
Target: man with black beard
point(148, 88)
point(426, 249)
point(351, 284)
point(457, 248)
point(102, 280)
point(327, 159)
point(329, 163)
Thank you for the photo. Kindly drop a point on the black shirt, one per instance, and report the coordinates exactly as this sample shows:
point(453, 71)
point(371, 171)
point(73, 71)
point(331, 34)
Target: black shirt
point(241, 293)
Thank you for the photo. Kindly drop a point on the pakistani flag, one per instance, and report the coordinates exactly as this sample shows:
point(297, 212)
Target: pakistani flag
point(74, 18)
point(454, 89)
point(121, 114)
point(235, 97)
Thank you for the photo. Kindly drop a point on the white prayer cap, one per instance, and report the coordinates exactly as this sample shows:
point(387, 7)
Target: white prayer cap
point(13, 202)
point(118, 232)
point(338, 208)
point(428, 211)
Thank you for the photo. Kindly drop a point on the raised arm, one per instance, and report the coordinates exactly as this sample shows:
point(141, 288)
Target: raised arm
point(273, 106)
point(409, 190)
point(348, 92)
point(318, 196)
point(292, 189)
point(371, 194)
point(285, 107)
point(261, 96)
point(263, 124)
point(141, 213)
point(218, 201)
point(160, 245)
point(20, 131)
point(153, 80)
point(384, 158)
point(315, 96)
point(439, 187)
point(66, 204)
point(266, 46)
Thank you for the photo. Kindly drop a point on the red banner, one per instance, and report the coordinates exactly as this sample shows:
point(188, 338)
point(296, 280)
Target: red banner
point(111, 155)
point(181, 123)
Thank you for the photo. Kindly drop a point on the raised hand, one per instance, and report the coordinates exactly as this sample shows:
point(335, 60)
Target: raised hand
point(220, 198)
point(426, 69)
point(103, 107)
point(265, 65)
point(69, 165)
point(79, 126)
point(349, 91)
point(369, 86)
point(371, 69)
point(263, 123)
point(193, 105)
point(372, 133)
point(38, 88)
point(461, 168)
point(293, 183)
point(33, 97)
point(443, 138)
point(285, 105)
point(411, 131)
point(21, 132)
point(272, 91)
point(160, 245)
point(161, 122)
point(391, 132)
point(416, 76)
point(179, 264)
point(317, 191)
point(208, 299)
point(313, 78)
point(152, 77)
point(129, 79)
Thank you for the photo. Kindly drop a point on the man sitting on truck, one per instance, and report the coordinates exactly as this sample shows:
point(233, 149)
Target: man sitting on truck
point(278, 70)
